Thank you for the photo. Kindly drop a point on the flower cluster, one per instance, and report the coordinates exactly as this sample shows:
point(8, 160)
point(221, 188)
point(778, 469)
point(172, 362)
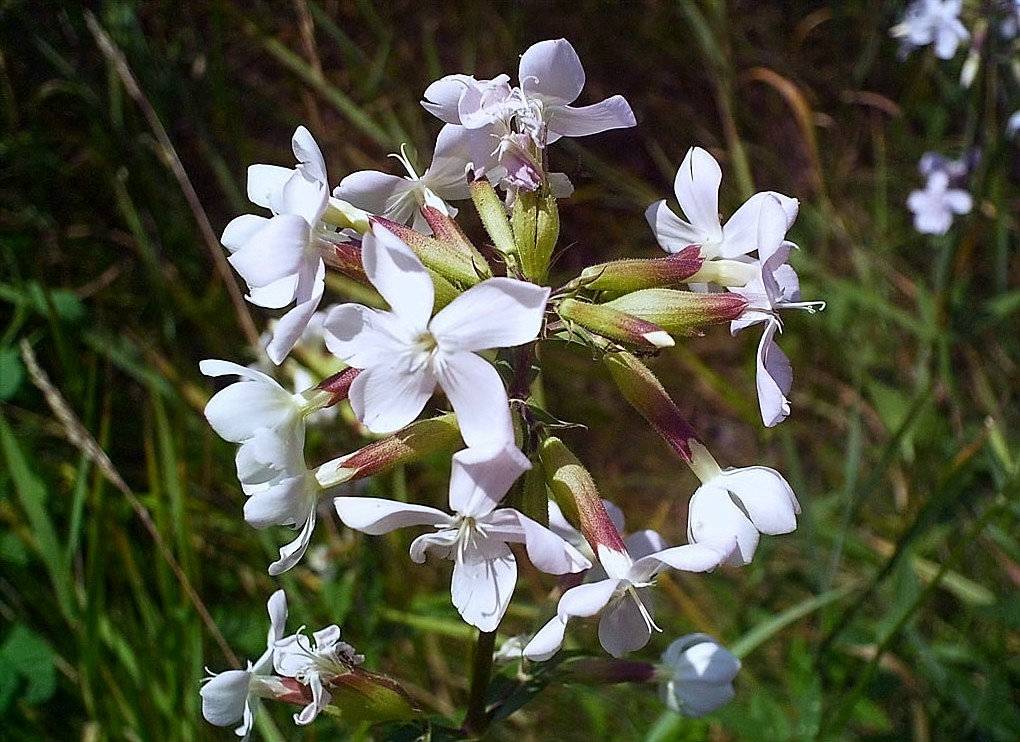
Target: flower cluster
point(466, 322)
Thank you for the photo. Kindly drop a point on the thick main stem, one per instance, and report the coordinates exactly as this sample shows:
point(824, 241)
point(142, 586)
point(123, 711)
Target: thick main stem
point(477, 718)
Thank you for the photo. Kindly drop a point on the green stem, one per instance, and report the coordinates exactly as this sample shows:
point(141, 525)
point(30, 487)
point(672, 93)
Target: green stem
point(477, 718)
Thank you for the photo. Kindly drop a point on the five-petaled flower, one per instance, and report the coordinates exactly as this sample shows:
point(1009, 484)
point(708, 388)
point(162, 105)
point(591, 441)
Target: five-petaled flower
point(934, 206)
point(696, 675)
point(477, 536)
point(404, 353)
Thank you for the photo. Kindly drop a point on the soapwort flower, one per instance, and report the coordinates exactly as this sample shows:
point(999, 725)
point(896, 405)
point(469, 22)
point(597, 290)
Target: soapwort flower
point(230, 696)
point(404, 354)
point(626, 621)
point(279, 257)
point(697, 191)
point(932, 22)
point(775, 286)
point(313, 663)
point(935, 206)
point(477, 537)
point(696, 675)
point(400, 198)
point(738, 503)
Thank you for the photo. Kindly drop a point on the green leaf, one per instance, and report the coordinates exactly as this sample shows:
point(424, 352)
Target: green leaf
point(26, 654)
point(11, 372)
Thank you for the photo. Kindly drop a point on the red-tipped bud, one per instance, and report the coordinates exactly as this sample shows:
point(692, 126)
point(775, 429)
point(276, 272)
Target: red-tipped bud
point(444, 258)
point(680, 312)
point(639, 273)
point(338, 385)
point(346, 258)
point(578, 497)
point(445, 229)
point(644, 392)
point(612, 323)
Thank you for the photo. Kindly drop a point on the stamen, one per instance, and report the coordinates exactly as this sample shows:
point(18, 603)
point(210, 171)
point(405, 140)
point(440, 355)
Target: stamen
point(649, 621)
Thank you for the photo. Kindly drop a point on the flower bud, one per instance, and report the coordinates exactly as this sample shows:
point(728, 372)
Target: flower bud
point(680, 312)
point(365, 696)
point(578, 497)
point(445, 258)
point(615, 324)
point(445, 229)
point(606, 671)
point(646, 395)
point(345, 257)
point(536, 226)
point(337, 386)
point(439, 434)
point(697, 675)
point(493, 215)
point(633, 274)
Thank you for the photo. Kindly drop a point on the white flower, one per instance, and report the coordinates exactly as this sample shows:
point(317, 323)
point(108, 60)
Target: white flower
point(697, 675)
point(934, 206)
point(775, 286)
point(697, 190)
point(401, 198)
point(279, 258)
point(230, 696)
point(1013, 124)
point(477, 537)
point(739, 504)
point(932, 22)
point(626, 621)
point(512, 126)
point(312, 664)
point(404, 354)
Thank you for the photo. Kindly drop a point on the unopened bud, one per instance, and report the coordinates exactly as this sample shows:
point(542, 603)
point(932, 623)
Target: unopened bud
point(646, 395)
point(633, 274)
point(439, 434)
point(346, 258)
point(612, 323)
point(338, 386)
point(680, 312)
point(446, 230)
point(606, 671)
point(578, 497)
point(536, 226)
point(365, 696)
point(493, 215)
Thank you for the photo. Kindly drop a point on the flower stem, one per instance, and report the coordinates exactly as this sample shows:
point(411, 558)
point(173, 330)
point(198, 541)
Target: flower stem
point(477, 718)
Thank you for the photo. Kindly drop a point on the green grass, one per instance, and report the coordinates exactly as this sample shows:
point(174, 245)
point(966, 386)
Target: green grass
point(891, 612)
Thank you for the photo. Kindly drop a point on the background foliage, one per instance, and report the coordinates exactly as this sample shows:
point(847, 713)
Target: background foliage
point(892, 611)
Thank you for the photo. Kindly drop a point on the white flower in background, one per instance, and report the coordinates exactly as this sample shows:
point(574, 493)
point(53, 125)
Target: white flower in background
point(404, 353)
point(279, 257)
point(1013, 124)
point(932, 22)
point(477, 537)
point(231, 696)
point(312, 664)
point(697, 675)
point(401, 198)
point(775, 286)
point(935, 206)
point(739, 504)
point(626, 621)
point(512, 126)
point(697, 191)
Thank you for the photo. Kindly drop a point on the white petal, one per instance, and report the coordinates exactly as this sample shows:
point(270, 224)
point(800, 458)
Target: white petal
point(612, 113)
point(364, 337)
point(291, 553)
point(697, 189)
point(774, 377)
point(690, 558)
point(713, 517)
point(241, 229)
point(274, 252)
point(286, 502)
point(265, 184)
point(275, 295)
point(552, 70)
point(481, 476)
point(546, 550)
point(386, 398)
point(277, 607)
point(671, 232)
point(483, 584)
point(740, 234)
point(291, 326)
point(587, 600)
point(236, 411)
point(497, 313)
point(307, 152)
point(373, 191)
point(766, 496)
point(305, 197)
point(373, 515)
point(959, 201)
point(547, 641)
point(399, 276)
point(224, 697)
point(622, 628)
point(442, 544)
point(479, 399)
point(442, 96)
